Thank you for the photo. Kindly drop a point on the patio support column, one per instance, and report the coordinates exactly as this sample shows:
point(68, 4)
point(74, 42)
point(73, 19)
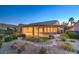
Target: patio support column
point(43, 29)
point(38, 30)
point(20, 31)
point(50, 29)
point(47, 29)
point(33, 31)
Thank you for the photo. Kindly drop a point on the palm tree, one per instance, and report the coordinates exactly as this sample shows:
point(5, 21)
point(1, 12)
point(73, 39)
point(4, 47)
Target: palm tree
point(71, 21)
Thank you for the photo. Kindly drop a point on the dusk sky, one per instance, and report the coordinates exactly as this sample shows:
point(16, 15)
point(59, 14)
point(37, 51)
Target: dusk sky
point(21, 14)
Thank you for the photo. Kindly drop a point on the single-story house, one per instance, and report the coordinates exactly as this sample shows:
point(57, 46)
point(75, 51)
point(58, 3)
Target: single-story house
point(40, 28)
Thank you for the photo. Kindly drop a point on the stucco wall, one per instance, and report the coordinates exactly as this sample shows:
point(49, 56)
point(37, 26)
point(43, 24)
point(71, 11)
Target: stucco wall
point(76, 27)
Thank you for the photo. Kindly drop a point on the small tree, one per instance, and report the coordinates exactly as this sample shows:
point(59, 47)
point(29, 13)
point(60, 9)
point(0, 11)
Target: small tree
point(65, 26)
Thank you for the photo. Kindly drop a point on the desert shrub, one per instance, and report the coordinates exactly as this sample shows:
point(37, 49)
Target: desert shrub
point(44, 38)
point(65, 35)
point(22, 35)
point(51, 36)
point(8, 39)
point(13, 36)
point(63, 39)
point(72, 40)
point(37, 39)
point(28, 38)
point(67, 46)
point(31, 38)
point(1, 41)
point(72, 35)
point(1, 36)
point(43, 50)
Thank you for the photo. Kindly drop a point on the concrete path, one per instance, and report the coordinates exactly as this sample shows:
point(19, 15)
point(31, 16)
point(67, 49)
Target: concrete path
point(50, 48)
point(6, 48)
point(75, 45)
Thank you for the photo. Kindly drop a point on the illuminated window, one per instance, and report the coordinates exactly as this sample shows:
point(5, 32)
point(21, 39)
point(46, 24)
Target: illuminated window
point(51, 29)
point(48, 29)
point(45, 29)
point(36, 29)
point(55, 29)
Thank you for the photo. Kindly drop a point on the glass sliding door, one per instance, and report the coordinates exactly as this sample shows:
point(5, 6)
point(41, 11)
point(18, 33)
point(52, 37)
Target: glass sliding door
point(36, 31)
point(27, 31)
point(40, 31)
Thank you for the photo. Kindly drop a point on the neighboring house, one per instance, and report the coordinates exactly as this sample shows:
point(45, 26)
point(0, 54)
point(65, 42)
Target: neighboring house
point(70, 24)
point(75, 27)
point(5, 26)
point(40, 28)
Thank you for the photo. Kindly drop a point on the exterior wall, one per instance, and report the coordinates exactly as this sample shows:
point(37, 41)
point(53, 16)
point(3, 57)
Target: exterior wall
point(71, 29)
point(76, 27)
point(38, 30)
